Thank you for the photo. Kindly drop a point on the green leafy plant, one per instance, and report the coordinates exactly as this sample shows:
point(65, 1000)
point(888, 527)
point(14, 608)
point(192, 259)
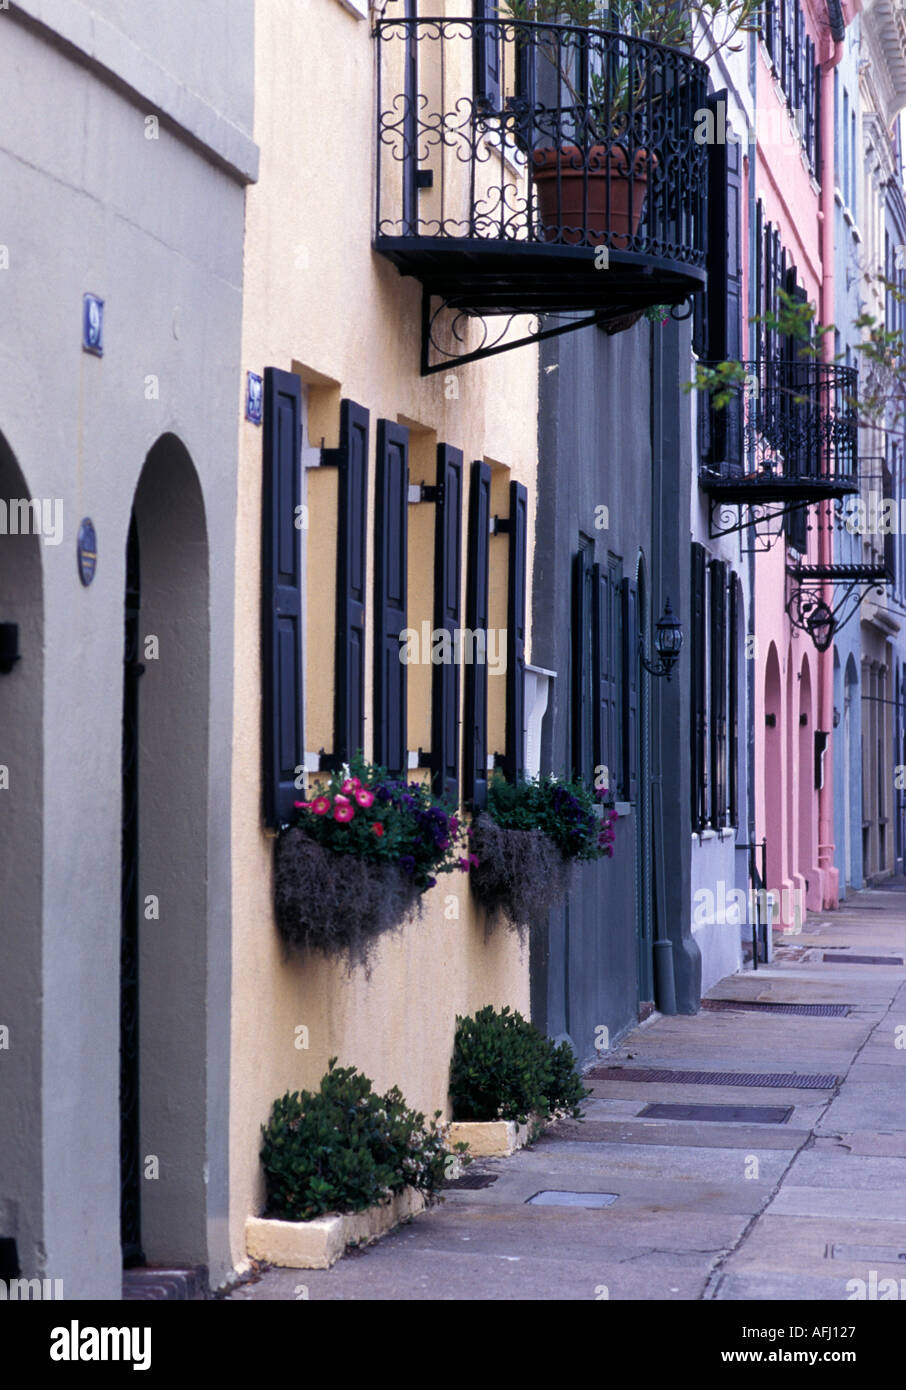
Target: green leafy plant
point(343, 1148)
point(503, 1068)
point(564, 811)
point(366, 812)
point(523, 846)
point(699, 27)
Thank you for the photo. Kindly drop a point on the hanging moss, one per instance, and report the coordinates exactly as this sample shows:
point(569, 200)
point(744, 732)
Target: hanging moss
point(337, 904)
point(520, 873)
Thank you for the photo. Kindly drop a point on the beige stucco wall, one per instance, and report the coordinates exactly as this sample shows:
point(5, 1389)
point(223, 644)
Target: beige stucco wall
point(319, 301)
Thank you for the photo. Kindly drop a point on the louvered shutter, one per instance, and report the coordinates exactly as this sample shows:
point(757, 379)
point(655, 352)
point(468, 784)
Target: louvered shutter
point(281, 588)
point(486, 52)
point(475, 771)
point(604, 752)
point(514, 763)
point(447, 588)
point(717, 614)
point(390, 580)
point(697, 675)
point(351, 460)
point(631, 688)
point(586, 744)
point(733, 700)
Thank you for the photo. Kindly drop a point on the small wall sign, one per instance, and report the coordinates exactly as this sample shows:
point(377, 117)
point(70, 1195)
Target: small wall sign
point(93, 324)
point(254, 396)
point(87, 547)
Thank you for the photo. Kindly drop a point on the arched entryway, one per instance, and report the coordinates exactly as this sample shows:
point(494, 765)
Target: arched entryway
point(807, 806)
point(773, 769)
point(21, 875)
point(165, 870)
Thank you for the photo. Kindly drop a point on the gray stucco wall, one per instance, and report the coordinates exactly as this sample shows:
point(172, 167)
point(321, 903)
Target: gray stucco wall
point(155, 227)
point(595, 448)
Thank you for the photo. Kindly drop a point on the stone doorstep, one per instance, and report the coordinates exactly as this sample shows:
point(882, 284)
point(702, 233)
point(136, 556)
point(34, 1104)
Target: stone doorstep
point(318, 1244)
point(489, 1138)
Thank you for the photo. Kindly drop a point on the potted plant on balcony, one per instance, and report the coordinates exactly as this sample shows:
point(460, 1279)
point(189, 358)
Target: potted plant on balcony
point(357, 859)
point(591, 183)
point(523, 846)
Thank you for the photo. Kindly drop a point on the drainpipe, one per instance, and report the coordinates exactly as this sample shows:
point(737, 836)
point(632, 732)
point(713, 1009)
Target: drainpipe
point(827, 314)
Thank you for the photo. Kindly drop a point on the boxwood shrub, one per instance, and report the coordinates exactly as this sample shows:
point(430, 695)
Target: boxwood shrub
point(505, 1069)
point(343, 1148)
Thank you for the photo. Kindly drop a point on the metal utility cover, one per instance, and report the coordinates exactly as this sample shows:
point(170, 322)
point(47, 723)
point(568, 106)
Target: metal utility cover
point(472, 1181)
point(880, 1254)
point(767, 1007)
point(862, 960)
point(572, 1199)
point(720, 1114)
point(771, 1080)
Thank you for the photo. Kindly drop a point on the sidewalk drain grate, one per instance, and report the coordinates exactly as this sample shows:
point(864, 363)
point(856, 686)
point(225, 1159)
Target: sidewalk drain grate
point(572, 1199)
point(882, 1254)
point(862, 960)
point(720, 1114)
point(774, 1080)
point(472, 1182)
point(766, 1007)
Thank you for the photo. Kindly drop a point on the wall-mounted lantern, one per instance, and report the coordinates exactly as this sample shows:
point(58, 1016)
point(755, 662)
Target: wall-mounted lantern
point(668, 639)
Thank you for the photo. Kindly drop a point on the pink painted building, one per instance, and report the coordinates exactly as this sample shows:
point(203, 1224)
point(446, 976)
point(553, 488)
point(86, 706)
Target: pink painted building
point(792, 249)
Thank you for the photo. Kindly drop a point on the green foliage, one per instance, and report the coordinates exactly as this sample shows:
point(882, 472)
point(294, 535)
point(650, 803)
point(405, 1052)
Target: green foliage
point(344, 1148)
point(382, 819)
point(565, 811)
point(505, 1069)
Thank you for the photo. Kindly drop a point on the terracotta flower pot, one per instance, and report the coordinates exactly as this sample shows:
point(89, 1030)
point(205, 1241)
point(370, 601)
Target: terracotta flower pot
point(570, 214)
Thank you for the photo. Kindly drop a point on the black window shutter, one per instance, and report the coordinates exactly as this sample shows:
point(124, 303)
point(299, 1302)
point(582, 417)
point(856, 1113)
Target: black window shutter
point(631, 688)
point(514, 763)
point(351, 460)
point(475, 770)
point(281, 590)
point(585, 740)
point(604, 753)
point(718, 621)
point(697, 673)
point(733, 695)
point(486, 55)
point(390, 579)
point(447, 588)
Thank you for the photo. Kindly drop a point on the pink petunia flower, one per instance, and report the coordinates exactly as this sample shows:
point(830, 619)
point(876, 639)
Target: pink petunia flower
point(364, 798)
point(320, 806)
point(302, 805)
point(343, 812)
point(352, 784)
point(378, 829)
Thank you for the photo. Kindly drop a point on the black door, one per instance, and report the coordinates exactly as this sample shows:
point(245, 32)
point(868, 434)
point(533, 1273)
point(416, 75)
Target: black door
point(130, 1158)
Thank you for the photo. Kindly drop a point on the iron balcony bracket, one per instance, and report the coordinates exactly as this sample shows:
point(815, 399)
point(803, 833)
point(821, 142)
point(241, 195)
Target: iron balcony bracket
point(493, 343)
point(728, 518)
point(809, 611)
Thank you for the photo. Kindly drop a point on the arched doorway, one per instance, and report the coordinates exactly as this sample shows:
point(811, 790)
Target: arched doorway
point(806, 799)
point(773, 770)
point(21, 878)
point(164, 980)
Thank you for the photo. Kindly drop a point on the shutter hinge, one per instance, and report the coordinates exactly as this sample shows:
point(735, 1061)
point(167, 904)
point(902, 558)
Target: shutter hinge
point(425, 492)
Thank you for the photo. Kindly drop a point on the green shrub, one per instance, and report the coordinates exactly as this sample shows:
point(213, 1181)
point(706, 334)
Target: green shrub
point(343, 1148)
point(505, 1069)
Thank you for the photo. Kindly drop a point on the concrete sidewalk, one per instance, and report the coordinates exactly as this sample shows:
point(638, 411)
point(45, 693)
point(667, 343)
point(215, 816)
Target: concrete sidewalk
point(791, 1209)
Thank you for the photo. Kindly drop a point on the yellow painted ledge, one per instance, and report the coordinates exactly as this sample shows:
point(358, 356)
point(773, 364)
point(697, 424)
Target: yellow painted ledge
point(490, 1138)
point(318, 1244)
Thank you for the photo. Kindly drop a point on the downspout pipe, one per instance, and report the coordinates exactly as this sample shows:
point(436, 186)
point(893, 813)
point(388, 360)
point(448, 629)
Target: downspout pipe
point(829, 874)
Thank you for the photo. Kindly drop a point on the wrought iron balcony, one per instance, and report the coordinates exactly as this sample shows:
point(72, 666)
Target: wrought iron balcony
point(543, 169)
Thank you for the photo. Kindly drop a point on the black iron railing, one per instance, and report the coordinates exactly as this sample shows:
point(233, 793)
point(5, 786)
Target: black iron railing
point(539, 136)
point(789, 427)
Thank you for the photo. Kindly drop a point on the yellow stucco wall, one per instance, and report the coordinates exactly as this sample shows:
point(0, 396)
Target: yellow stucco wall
point(319, 301)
